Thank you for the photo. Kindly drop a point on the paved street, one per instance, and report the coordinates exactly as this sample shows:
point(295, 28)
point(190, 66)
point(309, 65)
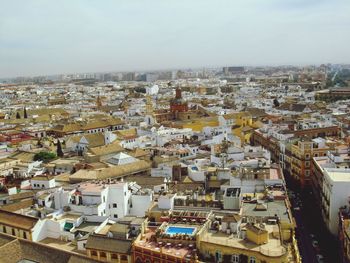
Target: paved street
point(310, 229)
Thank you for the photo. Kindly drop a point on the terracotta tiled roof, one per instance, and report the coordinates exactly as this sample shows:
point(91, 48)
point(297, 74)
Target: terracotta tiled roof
point(126, 134)
point(14, 250)
point(23, 156)
point(42, 178)
point(102, 123)
point(18, 205)
point(70, 127)
point(21, 195)
point(106, 149)
point(108, 244)
point(110, 172)
point(17, 220)
point(145, 181)
point(235, 115)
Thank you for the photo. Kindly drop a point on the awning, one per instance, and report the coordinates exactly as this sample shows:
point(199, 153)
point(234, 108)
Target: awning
point(68, 226)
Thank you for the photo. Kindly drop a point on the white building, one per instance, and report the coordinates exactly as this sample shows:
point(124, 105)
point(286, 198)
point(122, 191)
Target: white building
point(163, 170)
point(113, 199)
point(197, 172)
point(252, 180)
point(152, 90)
point(140, 202)
point(166, 201)
point(110, 200)
point(164, 135)
point(335, 194)
point(43, 182)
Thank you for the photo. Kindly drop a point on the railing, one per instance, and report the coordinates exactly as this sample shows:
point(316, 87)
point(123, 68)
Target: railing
point(277, 252)
point(271, 252)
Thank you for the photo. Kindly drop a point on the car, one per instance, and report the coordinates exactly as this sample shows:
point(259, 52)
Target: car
point(315, 245)
point(312, 236)
point(296, 208)
point(320, 258)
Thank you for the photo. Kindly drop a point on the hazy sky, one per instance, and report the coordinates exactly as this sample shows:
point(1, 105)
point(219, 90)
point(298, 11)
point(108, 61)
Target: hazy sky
point(39, 37)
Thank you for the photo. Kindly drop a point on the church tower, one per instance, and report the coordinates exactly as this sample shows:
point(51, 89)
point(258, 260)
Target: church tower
point(178, 104)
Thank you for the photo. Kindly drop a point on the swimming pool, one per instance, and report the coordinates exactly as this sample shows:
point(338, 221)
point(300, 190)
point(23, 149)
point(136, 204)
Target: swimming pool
point(173, 230)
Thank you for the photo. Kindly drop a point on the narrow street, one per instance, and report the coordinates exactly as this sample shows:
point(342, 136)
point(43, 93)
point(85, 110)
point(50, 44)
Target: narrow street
point(316, 244)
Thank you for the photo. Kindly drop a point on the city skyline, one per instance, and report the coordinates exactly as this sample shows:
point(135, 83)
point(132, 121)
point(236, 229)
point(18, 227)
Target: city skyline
point(43, 38)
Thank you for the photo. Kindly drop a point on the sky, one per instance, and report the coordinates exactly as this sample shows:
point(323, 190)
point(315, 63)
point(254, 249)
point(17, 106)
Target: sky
point(41, 37)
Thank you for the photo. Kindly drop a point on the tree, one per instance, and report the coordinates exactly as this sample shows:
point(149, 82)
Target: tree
point(44, 156)
point(18, 116)
point(276, 103)
point(59, 149)
point(25, 115)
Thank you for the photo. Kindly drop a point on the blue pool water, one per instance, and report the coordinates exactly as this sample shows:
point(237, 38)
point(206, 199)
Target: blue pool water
point(172, 230)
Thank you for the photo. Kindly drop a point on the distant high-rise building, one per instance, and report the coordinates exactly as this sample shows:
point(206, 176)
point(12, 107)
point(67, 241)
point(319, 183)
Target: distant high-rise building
point(130, 76)
point(232, 70)
point(151, 77)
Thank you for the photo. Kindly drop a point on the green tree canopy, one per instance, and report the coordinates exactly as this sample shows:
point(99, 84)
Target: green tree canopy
point(44, 156)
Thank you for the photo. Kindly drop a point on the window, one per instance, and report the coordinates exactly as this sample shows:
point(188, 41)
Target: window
point(307, 164)
point(103, 254)
point(25, 235)
point(235, 258)
point(218, 256)
point(4, 229)
point(115, 215)
point(252, 260)
point(93, 253)
point(114, 205)
point(114, 256)
point(104, 199)
point(42, 186)
point(13, 232)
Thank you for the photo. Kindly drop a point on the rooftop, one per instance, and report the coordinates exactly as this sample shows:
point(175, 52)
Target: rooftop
point(272, 248)
point(17, 220)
